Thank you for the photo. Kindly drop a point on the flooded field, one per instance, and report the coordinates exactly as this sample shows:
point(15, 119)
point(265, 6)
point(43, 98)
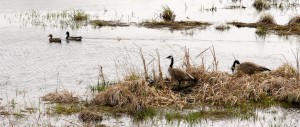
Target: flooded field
point(32, 67)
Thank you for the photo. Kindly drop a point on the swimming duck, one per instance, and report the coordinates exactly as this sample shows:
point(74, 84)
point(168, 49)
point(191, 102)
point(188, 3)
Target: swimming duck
point(179, 74)
point(51, 39)
point(248, 67)
point(73, 38)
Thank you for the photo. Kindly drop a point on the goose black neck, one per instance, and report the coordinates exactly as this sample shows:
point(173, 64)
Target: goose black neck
point(172, 61)
point(67, 36)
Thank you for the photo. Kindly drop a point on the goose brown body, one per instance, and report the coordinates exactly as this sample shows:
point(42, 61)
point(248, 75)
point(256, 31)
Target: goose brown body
point(73, 38)
point(179, 74)
point(51, 39)
point(248, 67)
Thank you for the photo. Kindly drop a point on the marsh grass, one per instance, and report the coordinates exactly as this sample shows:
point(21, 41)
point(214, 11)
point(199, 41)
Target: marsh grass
point(222, 27)
point(214, 113)
point(228, 95)
point(267, 19)
point(261, 5)
point(294, 21)
point(80, 15)
point(97, 88)
point(60, 97)
point(67, 109)
point(90, 116)
point(268, 23)
point(179, 25)
point(147, 113)
point(102, 23)
point(261, 31)
point(167, 14)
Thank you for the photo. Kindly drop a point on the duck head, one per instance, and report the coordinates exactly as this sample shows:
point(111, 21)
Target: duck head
point(236, 62)
point(67, 33)
point(50, 35)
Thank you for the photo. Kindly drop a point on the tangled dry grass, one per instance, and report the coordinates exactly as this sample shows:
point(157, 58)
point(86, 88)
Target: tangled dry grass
point(60, 97)
point(135, 96)
point(216, 88)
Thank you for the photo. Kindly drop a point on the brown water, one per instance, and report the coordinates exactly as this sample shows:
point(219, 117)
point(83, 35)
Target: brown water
point(31, 66)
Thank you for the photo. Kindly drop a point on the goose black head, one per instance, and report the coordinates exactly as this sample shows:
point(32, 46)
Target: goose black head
point(67, 33)
point(50, 35)
point(169, 57)
point(234, 63)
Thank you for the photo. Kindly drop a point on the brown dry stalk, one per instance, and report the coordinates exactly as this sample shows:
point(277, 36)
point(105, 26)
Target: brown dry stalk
point(144, 63)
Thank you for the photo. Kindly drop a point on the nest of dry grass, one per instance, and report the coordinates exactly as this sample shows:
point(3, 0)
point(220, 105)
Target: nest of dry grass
point(60, 97)
point(88, 116)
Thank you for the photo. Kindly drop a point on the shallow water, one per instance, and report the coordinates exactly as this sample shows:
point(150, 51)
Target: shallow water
point(31, 66)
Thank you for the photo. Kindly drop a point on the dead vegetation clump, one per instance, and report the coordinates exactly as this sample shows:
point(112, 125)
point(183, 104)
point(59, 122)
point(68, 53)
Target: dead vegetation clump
point(167, 14)
point(136, 96)
point(220, 88)
point(179, 25)
point(89, 116)
point(101, 23)
point(261, 5)
point(222, 27)
point(268, 24)
point(60, 97)
point(266, 19)
point(294, 21)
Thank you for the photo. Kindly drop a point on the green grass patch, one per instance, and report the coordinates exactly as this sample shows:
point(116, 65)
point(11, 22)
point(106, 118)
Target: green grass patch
point(97, 88)
point(145, 114)
point(241, 112)
point(67, 108)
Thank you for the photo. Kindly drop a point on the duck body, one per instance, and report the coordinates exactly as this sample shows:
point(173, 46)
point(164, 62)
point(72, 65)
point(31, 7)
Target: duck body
point(51, 39)
point(248, 67)
point(73, 38)
point(179, 74)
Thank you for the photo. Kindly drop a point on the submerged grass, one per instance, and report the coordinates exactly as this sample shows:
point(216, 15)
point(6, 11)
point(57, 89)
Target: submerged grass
point(267, 24)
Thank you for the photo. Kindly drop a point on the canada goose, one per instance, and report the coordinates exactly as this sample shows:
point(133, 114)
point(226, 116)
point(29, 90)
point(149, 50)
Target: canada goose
point(248, 67)
point(178, 74)
point(73, 38)
point(51, 39)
